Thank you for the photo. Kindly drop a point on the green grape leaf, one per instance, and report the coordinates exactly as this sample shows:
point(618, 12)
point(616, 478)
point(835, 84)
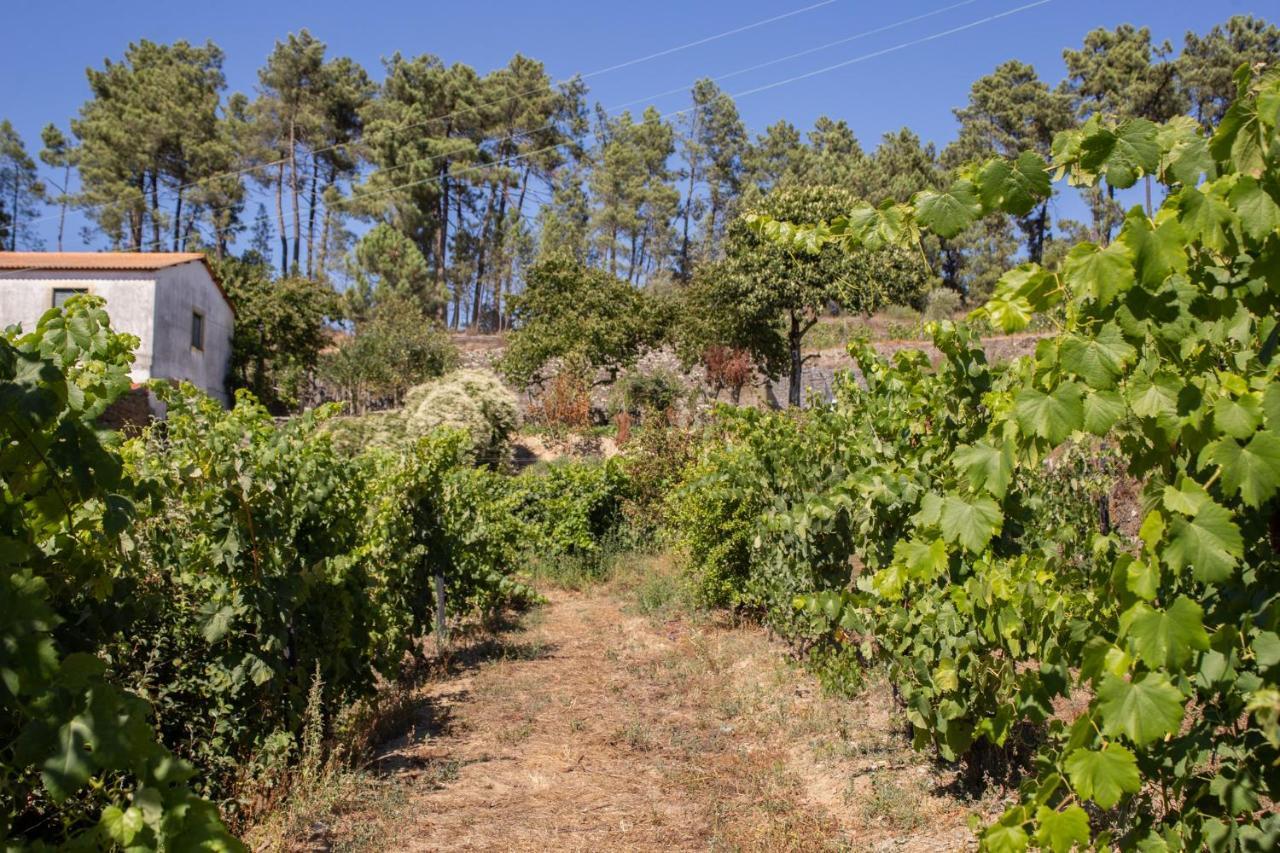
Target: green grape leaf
point(1053, 416)
point(218, 624)
point(70, 766)
point(1103, 775)
point(122, 826)
point(1166, 638)
point(948, 213)
point(986, 467)
point(1252, 470)
point(972, 522)
point(1144, 709)
point(1123, 155)
point(1209, 543)
point(1062, 831)
point(1271, 406)
point(1258, 212)
point(1101, 411)
point(923, 560)
point(1098, 360)
point(1206, 217)
point(1099, 274)
point(1158, 251)
point(1154, 396)
point(1187, 154)
point(1238, 418)
point(1014, 187)
point(1004, 838)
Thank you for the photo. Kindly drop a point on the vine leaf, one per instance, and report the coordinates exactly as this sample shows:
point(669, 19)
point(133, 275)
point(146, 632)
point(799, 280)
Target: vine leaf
point(1258, 212)
point(1014, 187)
point(1005, 838)
point(1104, 775)
point(1154, 396)
point(1053, 416)
point(122, 825)
point(1158, 250)
point(1099, 274)
point(1206, 218)
point(1098, 360)
point(987, 467)
point(1101, 411)
point(1144, 709)
point(948, 213)
point(1252, 470)
point(69, 766)
point(972, 522)
point(1166, 638)
point(1123, 154)
point(1238, 418)
point(1208, 543)
point(1062, 831)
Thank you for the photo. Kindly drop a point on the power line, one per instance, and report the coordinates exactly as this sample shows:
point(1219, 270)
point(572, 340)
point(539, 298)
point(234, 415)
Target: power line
point(473, 108)
point(715, 79)
point(746, 92)
point(740, 94)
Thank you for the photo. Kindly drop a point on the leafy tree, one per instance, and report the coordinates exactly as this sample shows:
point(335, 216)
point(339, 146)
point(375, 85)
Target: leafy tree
point(413, 186)
point(583, 318)
point(1010, 111)
point(770, 160)
point(260, 237)
point(765, 280)
point(387, 264)
point(21, 189)
point(635, 201)
point(399, 345)
point(712, 142)
point(1208, 63)
point(59, 152)
point(279, 331)
point(901, 166)
point(154, 123)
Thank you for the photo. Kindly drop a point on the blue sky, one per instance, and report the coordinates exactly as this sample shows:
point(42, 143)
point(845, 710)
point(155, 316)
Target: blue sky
point(48, 45)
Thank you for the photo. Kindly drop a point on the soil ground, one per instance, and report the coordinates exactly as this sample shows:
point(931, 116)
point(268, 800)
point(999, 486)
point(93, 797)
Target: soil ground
point(614, 719)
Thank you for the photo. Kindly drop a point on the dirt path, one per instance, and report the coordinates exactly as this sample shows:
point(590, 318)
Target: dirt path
point(596, 728)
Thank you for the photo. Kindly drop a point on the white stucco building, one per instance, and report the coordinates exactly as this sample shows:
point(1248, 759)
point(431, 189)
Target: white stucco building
point(170, 300)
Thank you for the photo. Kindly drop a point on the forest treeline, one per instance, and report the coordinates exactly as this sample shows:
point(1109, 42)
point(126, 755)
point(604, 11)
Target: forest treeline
point(472, 177)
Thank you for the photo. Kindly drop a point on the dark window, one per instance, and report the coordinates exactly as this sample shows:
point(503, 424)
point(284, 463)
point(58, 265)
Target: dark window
point(62, 294)
point(197, 330)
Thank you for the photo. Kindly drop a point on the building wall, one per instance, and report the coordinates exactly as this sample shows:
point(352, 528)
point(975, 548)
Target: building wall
point(25, 296)
point(180, 291)
point(155, 306)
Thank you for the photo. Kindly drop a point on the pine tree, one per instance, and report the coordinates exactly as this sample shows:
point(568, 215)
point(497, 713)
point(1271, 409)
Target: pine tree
point(21, 189)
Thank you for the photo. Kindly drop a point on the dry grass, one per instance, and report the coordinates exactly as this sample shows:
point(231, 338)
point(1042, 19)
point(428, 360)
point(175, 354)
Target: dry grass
point(617, 720)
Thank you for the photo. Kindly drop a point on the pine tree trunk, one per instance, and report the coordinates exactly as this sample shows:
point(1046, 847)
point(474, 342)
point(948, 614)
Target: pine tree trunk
point(155, 209)
point(294, 191)
point(311, 216)
point(284, 234)
point(62, 208)
point(177, 222)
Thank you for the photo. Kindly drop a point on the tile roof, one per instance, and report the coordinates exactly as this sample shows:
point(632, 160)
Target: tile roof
point(106, 262)
point(142, 261)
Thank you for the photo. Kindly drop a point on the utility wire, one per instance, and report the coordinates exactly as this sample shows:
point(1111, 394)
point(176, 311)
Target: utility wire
point(475, 107)
point(717, 78)
point(740, 94)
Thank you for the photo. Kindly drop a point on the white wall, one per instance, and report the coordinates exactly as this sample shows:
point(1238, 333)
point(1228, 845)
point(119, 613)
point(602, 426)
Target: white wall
point(26, 295)
point(181, 290)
